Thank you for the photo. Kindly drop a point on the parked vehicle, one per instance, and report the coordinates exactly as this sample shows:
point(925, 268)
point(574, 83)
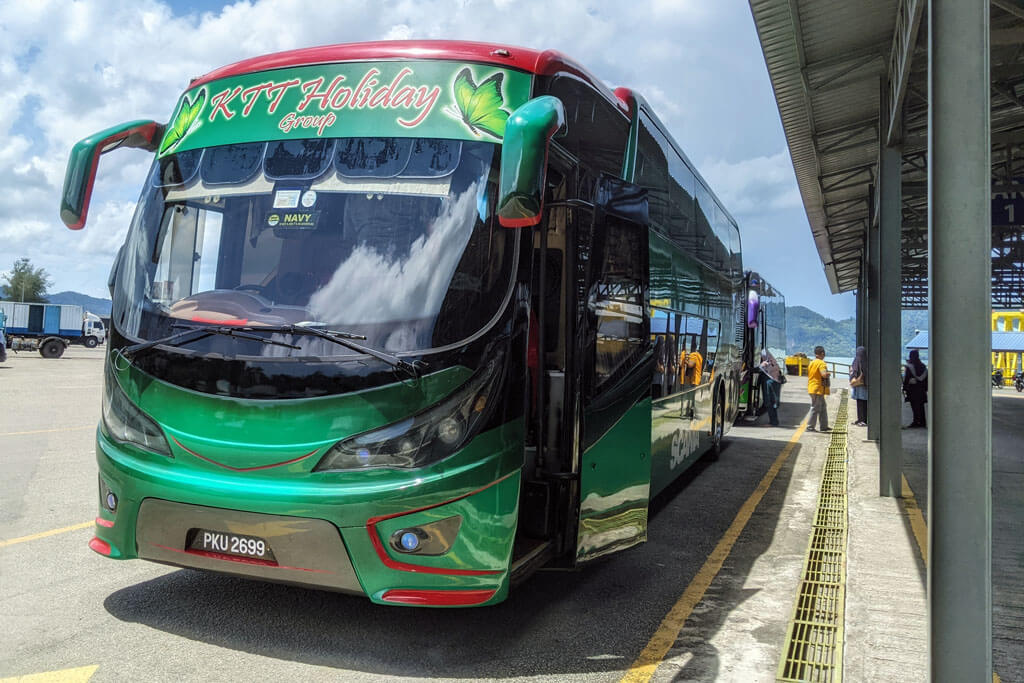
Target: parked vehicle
point(50, 328)
point(1018, 381)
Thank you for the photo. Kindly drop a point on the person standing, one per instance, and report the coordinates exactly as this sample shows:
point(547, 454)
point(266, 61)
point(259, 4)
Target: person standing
point(915, 387)
point(691, 365)
point(818, 388)
point(859, 385)
point(3, 337)
point(772, 382)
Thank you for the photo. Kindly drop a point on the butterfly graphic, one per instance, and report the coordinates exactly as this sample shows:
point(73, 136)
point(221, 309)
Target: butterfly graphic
point(479, 106)
point(187, 115)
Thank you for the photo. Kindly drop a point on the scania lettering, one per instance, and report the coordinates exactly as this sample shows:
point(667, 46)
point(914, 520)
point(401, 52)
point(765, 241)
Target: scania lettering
point(407, 320)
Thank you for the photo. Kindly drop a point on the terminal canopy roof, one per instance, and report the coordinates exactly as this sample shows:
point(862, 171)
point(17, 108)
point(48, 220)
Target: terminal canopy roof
point(831, 63)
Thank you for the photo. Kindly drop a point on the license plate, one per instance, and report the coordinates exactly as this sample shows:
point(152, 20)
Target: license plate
point(240, 545)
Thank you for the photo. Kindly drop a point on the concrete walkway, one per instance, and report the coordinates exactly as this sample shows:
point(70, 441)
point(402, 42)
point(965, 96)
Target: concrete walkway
point(886, 604)
point(744, 614)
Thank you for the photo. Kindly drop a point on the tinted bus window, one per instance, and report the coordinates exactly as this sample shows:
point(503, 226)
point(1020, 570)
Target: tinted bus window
point(596, 130)
point(708, 247)
point(617, 302)
point(652, 174)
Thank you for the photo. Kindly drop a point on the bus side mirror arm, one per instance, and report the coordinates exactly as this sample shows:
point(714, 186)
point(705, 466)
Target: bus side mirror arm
point(85, 157)
point(524, 153)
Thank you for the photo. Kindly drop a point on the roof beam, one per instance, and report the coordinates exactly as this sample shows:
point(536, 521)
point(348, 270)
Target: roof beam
point(904, 40)
point(1014, 8)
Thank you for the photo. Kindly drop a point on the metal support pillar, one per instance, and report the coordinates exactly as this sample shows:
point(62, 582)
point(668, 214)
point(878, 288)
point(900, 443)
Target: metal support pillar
point(887, 356)
point(862, 306)
point(959, 397)
point(872, 340)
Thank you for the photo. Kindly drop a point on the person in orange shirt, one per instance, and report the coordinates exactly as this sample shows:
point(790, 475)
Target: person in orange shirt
point(690, 366)
point(817, 387)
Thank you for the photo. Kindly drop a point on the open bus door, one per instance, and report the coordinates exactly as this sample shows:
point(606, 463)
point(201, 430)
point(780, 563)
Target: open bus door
point(615, 365)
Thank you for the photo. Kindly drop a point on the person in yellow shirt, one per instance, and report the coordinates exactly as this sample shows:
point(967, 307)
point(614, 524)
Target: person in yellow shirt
point(690, 366)
point(817, 387)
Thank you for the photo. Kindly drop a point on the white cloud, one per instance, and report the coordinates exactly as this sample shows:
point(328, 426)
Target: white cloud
point(72, 68)
point(755, 185)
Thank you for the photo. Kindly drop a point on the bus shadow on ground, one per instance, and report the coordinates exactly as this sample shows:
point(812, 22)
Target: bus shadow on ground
point(594, 620)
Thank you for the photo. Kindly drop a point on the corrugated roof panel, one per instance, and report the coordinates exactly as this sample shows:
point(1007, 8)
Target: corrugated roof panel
point(1002, 342)
point(822, 101)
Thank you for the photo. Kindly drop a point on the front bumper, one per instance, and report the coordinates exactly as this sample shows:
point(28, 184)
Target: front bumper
point(325, 535)
point(307, 552)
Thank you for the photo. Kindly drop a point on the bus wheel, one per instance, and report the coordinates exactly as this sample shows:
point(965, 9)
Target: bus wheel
point(717, 428)
point(91, 343)
point(51, 348)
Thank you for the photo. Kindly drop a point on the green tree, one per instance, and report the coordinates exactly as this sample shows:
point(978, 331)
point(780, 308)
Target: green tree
point(25, 283)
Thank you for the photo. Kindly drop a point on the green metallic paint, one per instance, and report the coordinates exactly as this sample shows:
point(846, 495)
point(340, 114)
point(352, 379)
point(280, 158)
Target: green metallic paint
point(348, 99)
point(239, 432)
point(484, 543)
point(244, 433)
point(524, 160)
point(84, 157)
point(615, 486)
point(629, 160)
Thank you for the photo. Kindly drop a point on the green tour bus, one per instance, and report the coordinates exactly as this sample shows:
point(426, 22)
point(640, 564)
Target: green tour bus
point(407, 320)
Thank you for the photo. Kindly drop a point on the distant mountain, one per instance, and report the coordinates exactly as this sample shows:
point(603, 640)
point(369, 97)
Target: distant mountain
point(100, 307)
point(806, 329)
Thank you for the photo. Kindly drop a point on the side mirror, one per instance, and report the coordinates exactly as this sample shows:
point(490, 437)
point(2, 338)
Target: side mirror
point(753, 308)
point(85, 157)
point(524, 154)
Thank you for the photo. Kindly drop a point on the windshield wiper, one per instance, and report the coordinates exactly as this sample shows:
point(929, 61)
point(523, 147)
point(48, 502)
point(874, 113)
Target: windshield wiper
point(346, 339)
point(192, 333)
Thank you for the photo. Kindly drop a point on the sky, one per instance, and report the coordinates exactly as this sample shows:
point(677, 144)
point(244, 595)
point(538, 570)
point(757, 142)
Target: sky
point(74, 68)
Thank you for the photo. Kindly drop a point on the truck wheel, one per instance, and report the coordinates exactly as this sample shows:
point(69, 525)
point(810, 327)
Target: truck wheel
point(51, 348)
point(91, 343)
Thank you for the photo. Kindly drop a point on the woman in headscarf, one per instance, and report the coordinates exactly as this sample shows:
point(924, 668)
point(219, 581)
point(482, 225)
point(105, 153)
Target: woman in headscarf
point(859, 385)
point(915, 387)
point(771, 381)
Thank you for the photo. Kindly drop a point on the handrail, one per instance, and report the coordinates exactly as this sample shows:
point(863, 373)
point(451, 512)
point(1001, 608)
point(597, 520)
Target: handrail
point(802, 363)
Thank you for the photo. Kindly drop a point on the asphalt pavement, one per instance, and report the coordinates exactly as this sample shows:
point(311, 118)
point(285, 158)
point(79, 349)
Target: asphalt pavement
point(66, 609)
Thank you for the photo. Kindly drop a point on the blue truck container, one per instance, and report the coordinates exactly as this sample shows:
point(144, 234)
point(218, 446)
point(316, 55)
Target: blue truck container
point(49, 328)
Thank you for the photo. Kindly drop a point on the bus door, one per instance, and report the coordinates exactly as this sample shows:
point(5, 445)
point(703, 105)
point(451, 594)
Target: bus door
point(616, 365)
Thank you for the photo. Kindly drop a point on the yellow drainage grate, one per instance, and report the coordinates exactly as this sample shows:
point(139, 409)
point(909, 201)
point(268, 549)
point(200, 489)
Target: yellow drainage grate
point(814, 640)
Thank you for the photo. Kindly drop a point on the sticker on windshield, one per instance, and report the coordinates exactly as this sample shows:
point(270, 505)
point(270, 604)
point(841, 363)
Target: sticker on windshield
point(286, 199)
point(298, 220)
point(308, 198)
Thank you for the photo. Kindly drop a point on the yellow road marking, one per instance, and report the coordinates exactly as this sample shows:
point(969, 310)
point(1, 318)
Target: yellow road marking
point(920, 529)
point(79, 675)
point(46, 431)
point(44, 534)
point(668, 632)
point(917, 523)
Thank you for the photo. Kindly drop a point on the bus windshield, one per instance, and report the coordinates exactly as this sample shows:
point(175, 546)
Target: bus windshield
point(390, 238)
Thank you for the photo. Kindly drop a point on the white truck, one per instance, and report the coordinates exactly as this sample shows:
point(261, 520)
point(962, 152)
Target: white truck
point(50, 328)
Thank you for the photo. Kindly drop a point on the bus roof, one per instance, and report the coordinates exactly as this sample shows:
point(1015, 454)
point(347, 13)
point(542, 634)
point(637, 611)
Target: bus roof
point(543, 63)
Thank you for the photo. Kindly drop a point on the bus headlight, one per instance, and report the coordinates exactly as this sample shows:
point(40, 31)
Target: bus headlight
point(425, 437)
point(124, 422)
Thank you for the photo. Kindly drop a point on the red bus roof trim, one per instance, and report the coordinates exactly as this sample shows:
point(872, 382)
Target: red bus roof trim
point(546, 63)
